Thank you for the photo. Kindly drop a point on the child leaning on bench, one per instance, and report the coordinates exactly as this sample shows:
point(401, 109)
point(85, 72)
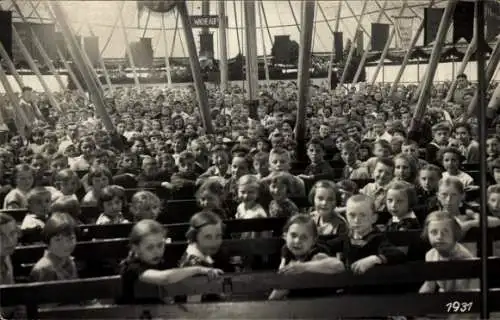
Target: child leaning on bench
point(145, 264)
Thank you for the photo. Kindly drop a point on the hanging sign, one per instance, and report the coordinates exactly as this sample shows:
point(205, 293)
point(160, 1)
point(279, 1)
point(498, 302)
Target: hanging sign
point(404, 29)
point(205, 21)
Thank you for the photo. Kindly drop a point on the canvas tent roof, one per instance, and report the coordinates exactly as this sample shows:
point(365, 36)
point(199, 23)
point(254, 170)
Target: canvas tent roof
point(101, 15)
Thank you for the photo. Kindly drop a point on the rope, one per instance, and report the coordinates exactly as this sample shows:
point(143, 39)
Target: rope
point(237, 30)
point(293, 15)
point(261, 4)
point(175, 33)
point(147, 23)
point(282, 26)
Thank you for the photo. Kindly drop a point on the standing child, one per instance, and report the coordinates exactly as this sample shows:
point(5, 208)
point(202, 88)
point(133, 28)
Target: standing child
point(17, 197)
point(111, 201)
point(443, 233)
point(57, 263)
point(204, 240)
point(145, 263)
point(39, 199)
point(302, 253)
point(323, 197)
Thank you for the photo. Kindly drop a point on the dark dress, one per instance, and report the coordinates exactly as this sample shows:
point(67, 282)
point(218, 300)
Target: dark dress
point(131, 270)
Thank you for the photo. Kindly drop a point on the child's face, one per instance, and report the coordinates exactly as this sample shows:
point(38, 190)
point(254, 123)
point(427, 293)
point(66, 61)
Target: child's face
point(454, 143)
point(209, 239)
point(279, 162)
point(209, 200)
point(382, 174)
point(494, 204)
point(380, 151)
point(348, 156)
point(378, 128)
point(16, 142)
point(186, 165)
point(137, 147)
point(261, 166)
point(410, 150)
point(315, 153)
point(278, 191)
point(441, 137)
point(496, 174)
point(38, 165)
point(40, 206)
point(59, 165)
point(397, 202)
point(450, 162)
point(144, 210)
point(324, 201)
point(299, 239)
point(247, 193)
point(492, 147)
point(360, 216)
point(324, 131)
point(402, 169)
point(450, 199)
point(463, 135)
point(428, 180)
point(239, 167)
point(99, 182)
point(9, 236)
point(196, 149)
point(440, 234)
point(113, 207)
point(24, 180)
point(62, 245)
point(344, 196)
point(86, 148)
point(151, 248)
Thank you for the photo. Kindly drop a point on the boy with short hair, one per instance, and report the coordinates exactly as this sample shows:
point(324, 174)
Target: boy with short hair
point(279, 161)
point(186, 177)
point(440, 136)
point(383, 175)
point(39, 199)
point(318, 168)
point(353, 167)
point(57, 263)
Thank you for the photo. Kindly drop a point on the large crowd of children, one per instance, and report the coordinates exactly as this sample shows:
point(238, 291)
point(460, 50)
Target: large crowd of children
point(366, 175)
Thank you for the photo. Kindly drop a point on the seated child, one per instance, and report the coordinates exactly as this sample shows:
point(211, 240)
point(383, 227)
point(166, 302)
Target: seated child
point(144, 265)
point(443, 232)
point(9, 234)
point(401, 198)
point(99, 178)
point(70, 206)
point(151, 175)
point(383, 174)
point(249, 208)
point(67, 183)
point(353, 168)
point(17, 197)
point(186, 177)
point(38, 208)
point(405, 168)
point(366, 246)
point(451, 159)
point(57, 263)
point(220, 167)
point(279, 161)
point(261, 164)
point(381, 149)
point(111, 201)
point(204, 240)
point(427, 187)
point(441, 134)
point(323, 197)
point(318, 168)
point(281, 205)
point(210, 197)
point(145, 205)
point(302, 253)
point(410, 148)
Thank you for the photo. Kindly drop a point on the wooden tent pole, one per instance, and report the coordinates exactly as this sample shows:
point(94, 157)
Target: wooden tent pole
point(167, 57)
point(223, 65)
point(71, 73)
point(128, 49)
point(18, 121)
point(406, 59)
point(39, 47)
point(490, 71)
point(353, 47)
point(10, 65)
point(113, 28)
point(266, 68)
point(264, 15)
point(176, 29)
point(199, 85)
point(34, 68)
point(368, 47)
point(303, 75)
point(147, 24)
point(468, 54)
point(434, 61)
point(103, 66)
point(387, 45)
point(358, 19)
point(337, 24)
point(293, 15)
point(252, 71)
point(95, 93)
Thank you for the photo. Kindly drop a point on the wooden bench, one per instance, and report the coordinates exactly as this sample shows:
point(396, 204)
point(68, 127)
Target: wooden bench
point(411, 304)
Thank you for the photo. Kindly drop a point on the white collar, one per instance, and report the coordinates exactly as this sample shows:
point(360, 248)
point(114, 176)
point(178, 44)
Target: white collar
point(192, 249)
point(409, 215)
